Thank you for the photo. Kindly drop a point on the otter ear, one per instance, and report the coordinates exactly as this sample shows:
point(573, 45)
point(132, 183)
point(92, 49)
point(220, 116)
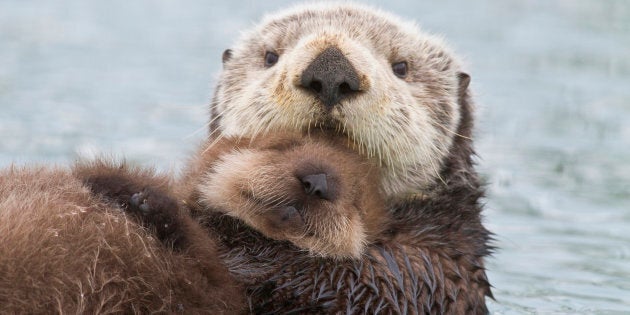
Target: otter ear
point(464, 81)
point(227, 55)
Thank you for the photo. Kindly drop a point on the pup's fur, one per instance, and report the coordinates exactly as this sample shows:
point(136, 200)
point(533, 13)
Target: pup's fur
point(261, 182)
point(64, 249)
point(68, 245)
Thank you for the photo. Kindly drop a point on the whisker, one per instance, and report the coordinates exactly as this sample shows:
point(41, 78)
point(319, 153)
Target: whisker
point(212, 143)
point(437, 124)
point(203, 127)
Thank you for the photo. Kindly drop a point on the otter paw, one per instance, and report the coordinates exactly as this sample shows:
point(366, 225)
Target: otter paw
point(153, 206)
point(140, 203)
point(156, 210)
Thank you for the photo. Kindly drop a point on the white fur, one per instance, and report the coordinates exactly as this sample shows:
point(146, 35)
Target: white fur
point(254, 100)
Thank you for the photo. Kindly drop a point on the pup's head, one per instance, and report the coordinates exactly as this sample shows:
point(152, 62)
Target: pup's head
point(321, 197)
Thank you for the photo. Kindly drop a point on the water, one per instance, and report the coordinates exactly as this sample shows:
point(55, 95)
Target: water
point(552, 82)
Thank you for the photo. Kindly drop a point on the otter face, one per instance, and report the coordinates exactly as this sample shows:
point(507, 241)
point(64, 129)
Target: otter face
point(321, 198)
point(353, 72)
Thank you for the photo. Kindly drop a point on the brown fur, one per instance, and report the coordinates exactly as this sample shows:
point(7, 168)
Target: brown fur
point(72, 242)
point(67, 250)
point(254, 180)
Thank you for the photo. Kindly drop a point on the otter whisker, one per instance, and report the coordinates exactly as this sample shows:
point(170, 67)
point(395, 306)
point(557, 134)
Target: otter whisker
point(205, 126)
point(211, 144)
point(451, 131)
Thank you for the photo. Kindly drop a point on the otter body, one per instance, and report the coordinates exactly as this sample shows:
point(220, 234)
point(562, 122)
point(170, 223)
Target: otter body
point(399, 98)
point(414, 272)
point(65, 249)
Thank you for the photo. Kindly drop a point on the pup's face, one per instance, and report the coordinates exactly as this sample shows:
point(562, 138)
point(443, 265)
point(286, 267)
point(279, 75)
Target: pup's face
point(353, 72)
point(321, 198)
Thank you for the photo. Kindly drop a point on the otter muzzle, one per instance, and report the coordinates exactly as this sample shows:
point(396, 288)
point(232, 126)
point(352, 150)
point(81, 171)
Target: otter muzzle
point(330, 77)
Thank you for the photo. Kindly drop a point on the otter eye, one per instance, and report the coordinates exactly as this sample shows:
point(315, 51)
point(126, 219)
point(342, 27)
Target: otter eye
point(400, 69)
point(271, 58)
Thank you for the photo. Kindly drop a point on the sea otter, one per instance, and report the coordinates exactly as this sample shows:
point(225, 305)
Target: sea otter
point(317, 194)
point(401, 99)
point(355, 72)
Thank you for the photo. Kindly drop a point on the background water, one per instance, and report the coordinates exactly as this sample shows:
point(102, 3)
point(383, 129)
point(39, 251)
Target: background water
point(552, 81)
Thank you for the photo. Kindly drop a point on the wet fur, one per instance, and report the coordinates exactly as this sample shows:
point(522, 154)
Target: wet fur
point(428, 260)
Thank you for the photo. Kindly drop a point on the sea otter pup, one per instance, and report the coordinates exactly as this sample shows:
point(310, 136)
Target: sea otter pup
point(398, 97)
point(64, 249)
point(68, 246)
point(319, 195)
point(316, 194)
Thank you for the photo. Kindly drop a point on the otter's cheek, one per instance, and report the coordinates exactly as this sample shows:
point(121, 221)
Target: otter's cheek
point(285, 107)
point(278, 90)
point(369, 108)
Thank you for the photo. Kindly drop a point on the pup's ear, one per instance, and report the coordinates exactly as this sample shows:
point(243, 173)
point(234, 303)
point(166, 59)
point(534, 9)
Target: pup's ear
point(227, 55)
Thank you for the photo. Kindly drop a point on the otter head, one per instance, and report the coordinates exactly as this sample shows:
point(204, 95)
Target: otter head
point(321, 197)
point(354, 73)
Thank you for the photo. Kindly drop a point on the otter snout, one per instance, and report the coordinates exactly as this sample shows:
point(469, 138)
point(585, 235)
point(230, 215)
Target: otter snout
point(330, 77)
point(316, 185)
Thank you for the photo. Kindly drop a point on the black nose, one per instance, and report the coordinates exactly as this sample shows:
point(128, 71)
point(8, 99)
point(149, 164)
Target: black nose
point(330, 77)
point(316, 185)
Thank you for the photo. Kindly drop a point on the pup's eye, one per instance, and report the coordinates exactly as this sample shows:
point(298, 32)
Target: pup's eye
point(400, 69)
point(271, 58)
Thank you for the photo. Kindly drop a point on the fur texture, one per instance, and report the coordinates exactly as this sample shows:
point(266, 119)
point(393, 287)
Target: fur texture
point(427, 261)
point(407, 125)
point(110, 237)
point(262, 183)
point(65, 250)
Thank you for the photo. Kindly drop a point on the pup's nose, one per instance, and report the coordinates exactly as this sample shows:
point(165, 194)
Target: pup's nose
point(316, 185)
point(330, 77)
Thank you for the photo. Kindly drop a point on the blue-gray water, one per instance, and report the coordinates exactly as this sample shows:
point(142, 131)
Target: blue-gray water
point(552, 82)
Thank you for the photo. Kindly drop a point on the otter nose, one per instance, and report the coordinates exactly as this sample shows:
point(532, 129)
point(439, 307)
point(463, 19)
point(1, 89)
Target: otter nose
point(331, 77)
point(316, 185)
